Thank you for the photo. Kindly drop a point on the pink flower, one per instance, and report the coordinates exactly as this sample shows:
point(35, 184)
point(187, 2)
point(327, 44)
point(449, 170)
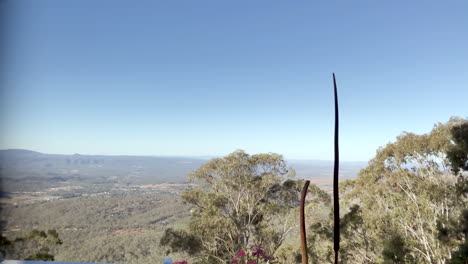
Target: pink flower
point(253, 255)
point(258, 252)
point(241, 253)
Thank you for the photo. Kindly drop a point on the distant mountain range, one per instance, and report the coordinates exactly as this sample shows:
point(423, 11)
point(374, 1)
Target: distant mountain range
point(26, 167)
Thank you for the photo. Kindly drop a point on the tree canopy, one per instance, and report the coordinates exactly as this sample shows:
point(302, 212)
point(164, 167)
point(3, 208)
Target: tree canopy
point(458, 152)
point(410, 198)
point(33, 246)
point(239, 201)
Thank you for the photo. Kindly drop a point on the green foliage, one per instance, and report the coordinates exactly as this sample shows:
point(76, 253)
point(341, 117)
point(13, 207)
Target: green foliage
point(355, 244)
point(117, 227)
point(289, 254)
point(34, 246)
point(42, 254)
point(458, 153)
point(4, 244)
point(460, 256)
point(240, 200)
point(180, 241)
point(394, 250)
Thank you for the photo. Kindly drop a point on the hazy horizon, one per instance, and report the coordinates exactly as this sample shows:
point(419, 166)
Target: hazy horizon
point(209, 77)
point(180, 156)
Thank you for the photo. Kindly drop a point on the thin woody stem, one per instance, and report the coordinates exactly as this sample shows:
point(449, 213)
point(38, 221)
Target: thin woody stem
point(336, 202)
point(305, 257)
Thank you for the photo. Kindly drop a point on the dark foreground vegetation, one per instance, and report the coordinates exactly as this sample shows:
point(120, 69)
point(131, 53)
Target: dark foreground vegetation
point(407, 206)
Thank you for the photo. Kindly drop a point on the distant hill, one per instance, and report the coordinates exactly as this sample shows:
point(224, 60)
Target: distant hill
point(31, 170)
point(25, 167)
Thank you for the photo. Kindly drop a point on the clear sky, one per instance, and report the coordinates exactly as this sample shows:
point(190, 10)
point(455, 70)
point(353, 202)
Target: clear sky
point(209, 77)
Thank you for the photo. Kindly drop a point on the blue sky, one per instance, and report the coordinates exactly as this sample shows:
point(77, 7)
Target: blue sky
point(209, 77)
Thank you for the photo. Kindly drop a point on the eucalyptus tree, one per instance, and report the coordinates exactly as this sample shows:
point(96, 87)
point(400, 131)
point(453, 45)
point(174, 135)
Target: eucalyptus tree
point(409, 191)
point(238, 201)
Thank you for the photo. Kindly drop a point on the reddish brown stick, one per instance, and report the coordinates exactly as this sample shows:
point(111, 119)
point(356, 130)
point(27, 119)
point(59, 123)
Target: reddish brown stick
point(305, 257)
